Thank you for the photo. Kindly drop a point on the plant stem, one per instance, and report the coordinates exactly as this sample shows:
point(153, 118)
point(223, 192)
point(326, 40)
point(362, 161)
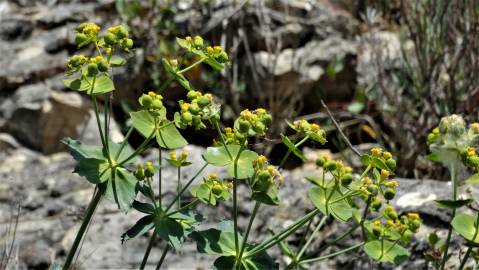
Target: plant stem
point(192, 203)
point(449, 232)
point(332, 254)
point(105, 124)
point(148, 249)
point(125, 141)
point(466, 256)
point(185, 187)
point(235, 198)
point(86, 220)
point(191, 66)
point(163, 256)
point(152, 195)
point(253, 215)
point(288, 153)
point(97, 115)
point(178, 186)
point(283, 234)
point(159, 177)
point(311, 237)
point(139, 150)
point(222, 139)
point(339, 238)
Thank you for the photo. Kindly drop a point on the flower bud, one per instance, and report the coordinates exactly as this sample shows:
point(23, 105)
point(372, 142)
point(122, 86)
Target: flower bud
point(110, 39)
point(203, 101)
point(217, 189)
point(198, 42)
point(194, 108)
point(259, 127)
point(127, 44)
point(320, 161)
point(92, 69)
point(186, 117)
point(377, 230)
point(391, 163)
point(243, 126)
point(373, 189)
point(184, 155)
point(156, 104)
point(384, 174)
point(145, 101)
point(139, 172)
point(391, 215)
point(172, 155)
point(222, 57)
point(80, 38)
point(103, 66)
point(346, 179)
point(149, 169)
point(121, 32)
point(389, 194)
point(330, 165)
point(192, 95)
point(376, 203)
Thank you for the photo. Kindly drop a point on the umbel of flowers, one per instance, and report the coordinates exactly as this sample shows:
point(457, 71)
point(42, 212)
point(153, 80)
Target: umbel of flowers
point(114, 168)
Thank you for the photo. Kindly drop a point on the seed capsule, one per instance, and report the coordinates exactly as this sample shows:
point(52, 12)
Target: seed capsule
point(244, 126)
point(150, 170)
point(391, 163)
point(92, 69)
point(145, 101)
point(186, 117)
point(80, 38)
point(373, 189)
point(156, 104)
point(389, 194)
point(192, 95)
point(346, 179)
point(103, 66)
point(110, 39)
point(203, 101)
point(330, 165)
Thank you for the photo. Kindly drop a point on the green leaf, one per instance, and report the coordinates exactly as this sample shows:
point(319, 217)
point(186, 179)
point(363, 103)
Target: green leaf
point(96, 171)
point(433, 157)
point(208, 60)
point(146, 208)
point(340, 210)
point(466, 225)
point(450, 204)
point(270, 197)
point(365, 160)
point(167, 135)
point(121, 188)
point(292, 147)
point(103, 84)
point(117, 61)
point(142, 226)
point(218, 156)
point(177, 76)
point(204, 194)
point(388, 252)
point(379, 163)
point(79, 150)
point(224, 263)
point(215, 242)
point(170, 230)
point(473, 180)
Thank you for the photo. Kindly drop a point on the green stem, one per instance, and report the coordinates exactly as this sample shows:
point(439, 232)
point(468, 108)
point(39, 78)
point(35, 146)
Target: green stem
point(332, 254)
point(466, 256)
point(449, 233)
point(185, 187)
point(106, 112)
point(139, 150)
point(311, 237)
point(163, 256)
point(222, 139)
point(250, 224)
point(97, 115)
point(283, 234)
point(235, 198)
point(148, 249)
point(86, 220)
point(191, 66)
point(160, 193)
point(125, 141)
point(288, 153)
point(152, 194)
point(189, 205)
point(178, 187)
point(339, 238)
point(163, 87)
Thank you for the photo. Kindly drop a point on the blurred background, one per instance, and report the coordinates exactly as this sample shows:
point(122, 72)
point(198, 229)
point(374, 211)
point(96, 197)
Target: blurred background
point(388, 71)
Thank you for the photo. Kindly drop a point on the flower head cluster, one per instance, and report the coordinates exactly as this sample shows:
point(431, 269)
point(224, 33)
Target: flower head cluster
point(118, 35)
point(178, 161)
point(451, 138)
point(253, 123)
point(86, 32)
point(212, 189)
point(199, 107)
point(145, 171)
point(340, 172)
point(401, 228)
point(216, 52)
point(311, 130)
point(151, 102)
point(266, 175)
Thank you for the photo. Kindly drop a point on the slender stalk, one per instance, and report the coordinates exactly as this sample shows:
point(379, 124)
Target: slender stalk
point(466, 256)
point(152, 195)
point(189, 205)
point(97, 115)
point(288, 153)
point(339, 238)
point(235, 199)
point(191, 66)
point(178, 186)
point(332, 254)
point(245, 240)
point(160, 177)
point(86, 220)
point(163, 256)
point(148, 249)
point(222, 139)
point(139, 150)
point(125, 141)
point(105, 124)
point(283, 234)
point(311, 237)
point(163, 87)
point(185, 187)
point(303, 238)
point(449, 233)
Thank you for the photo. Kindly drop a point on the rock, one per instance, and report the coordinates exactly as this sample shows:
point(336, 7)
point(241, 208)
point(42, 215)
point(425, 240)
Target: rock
point(8, 142)
point(13, 28)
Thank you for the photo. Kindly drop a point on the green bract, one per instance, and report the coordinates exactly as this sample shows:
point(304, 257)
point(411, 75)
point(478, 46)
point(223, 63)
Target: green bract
point(218, 156)
point(386, 251)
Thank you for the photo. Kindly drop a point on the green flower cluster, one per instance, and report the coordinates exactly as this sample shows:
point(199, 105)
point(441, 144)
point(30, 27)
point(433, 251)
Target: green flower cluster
point(253, 123)
point(311, 130)
point(143, 172)
point(178, 161)
point(200, 107)
point(212, 189)
point(394, 227)
point(265, 175)
point(217, 53)
point(152, 102)
point(339, 172)
point(118, 35)
point(450, 137)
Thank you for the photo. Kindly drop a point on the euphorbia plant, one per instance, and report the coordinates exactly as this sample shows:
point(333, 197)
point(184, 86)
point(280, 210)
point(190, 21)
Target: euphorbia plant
point(337, 193)
point(454, 145)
